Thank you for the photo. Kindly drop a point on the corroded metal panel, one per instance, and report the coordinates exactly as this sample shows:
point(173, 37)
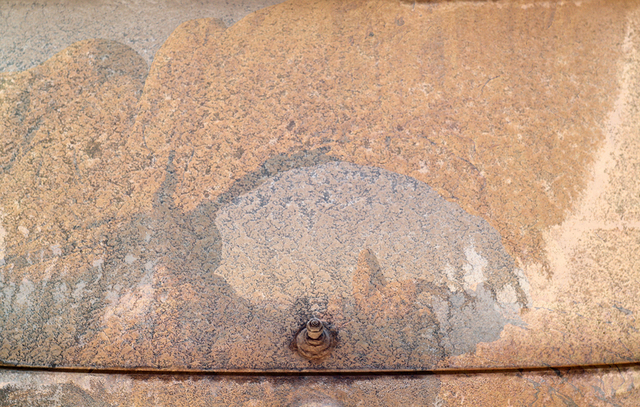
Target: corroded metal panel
point(440, 185)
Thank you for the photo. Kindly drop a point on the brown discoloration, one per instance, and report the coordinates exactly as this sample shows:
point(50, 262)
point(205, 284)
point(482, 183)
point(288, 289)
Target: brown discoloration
point(382, 307)
point(58, 195)
point(560, 387)
point(486, 113)
point(597, 387)
point(314, 341)
point(490, 104)
point(380, 302)
point(591, 300)
point(31, 35)
point(447, 283)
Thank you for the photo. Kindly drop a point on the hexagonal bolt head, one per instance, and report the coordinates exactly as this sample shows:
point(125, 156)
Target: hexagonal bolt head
point(314, 342)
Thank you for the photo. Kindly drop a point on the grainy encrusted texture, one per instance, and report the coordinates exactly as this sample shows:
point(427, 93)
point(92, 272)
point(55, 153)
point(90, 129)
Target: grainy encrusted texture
point(109, 192)
point(493, 106)
point(562, 387)
point(32, 32)
point(406, 277)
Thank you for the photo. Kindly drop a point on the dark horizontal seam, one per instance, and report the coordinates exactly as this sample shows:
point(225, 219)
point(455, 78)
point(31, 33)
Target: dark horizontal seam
point(317, 372)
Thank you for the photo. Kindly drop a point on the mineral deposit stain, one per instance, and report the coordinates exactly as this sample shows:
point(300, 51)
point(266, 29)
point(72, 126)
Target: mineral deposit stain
point(300, 234)
point(210, 223)
point(392, 264)
point(411, 277)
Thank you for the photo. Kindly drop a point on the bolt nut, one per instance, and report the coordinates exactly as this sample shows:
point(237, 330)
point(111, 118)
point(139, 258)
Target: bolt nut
point(314, 341)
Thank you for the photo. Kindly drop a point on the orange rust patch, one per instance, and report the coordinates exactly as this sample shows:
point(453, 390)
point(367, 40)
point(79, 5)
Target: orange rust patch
point(494, 107)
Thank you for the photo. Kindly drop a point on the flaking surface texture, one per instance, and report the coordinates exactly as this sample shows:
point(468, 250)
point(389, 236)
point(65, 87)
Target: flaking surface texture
point(413, 262)
point(577, 386)
point(125, 190)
